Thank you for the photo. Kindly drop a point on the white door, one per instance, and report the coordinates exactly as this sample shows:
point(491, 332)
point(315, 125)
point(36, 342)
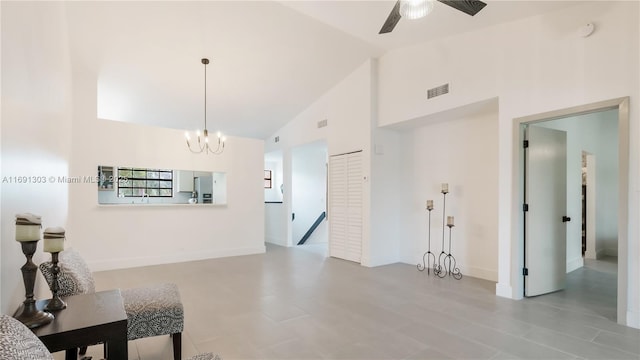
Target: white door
point(546, 197)
point(345, 206)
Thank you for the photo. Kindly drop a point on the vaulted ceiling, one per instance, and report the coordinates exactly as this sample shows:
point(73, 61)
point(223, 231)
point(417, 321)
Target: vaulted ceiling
point(269, 60)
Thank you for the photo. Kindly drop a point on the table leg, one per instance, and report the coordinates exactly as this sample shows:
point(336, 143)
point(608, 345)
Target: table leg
point(71, 354)
point(116, 348)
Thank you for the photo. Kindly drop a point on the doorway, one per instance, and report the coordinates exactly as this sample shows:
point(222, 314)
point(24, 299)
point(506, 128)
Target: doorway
point(610, 233)
point(309, 230)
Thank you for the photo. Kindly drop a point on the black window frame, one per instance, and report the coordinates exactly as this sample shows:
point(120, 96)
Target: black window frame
point(132, 179)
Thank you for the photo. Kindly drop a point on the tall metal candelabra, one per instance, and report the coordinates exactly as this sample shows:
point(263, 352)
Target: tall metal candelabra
point(426, 258)
point(449, 263)
point(439, 269)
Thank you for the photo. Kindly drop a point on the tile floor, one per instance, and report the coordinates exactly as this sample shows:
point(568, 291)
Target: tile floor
point(293, 303)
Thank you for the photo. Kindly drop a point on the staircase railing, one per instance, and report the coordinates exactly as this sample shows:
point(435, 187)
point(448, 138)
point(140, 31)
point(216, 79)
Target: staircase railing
point(313, 228)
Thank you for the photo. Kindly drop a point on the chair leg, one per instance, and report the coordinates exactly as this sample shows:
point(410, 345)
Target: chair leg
point(83, 350)
point(177, 346)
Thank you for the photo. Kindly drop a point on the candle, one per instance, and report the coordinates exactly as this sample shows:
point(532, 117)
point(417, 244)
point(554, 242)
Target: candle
point(445, 188)
point(54, 239)
point(449, 220)
point(429, 204)
point(28, 227)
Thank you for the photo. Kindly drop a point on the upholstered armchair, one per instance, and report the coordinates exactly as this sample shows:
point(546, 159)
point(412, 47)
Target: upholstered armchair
point(151, 311)
point(19, 342)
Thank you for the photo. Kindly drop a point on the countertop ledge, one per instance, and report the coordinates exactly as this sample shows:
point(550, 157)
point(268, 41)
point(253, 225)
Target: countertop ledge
point(160, 205)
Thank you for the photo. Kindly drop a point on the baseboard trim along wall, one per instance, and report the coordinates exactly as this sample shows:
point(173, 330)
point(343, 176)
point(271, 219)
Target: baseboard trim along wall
point(504, 290)
point(485, 274)
point(276, 241)
point(575, 264)
point(114, 264)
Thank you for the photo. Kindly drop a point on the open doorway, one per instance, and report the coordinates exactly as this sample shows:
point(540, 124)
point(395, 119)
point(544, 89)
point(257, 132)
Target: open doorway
point(309, 230)
point(596, 282)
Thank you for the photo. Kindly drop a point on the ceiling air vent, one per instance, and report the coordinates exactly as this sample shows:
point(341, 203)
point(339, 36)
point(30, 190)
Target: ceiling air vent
point(322, 123)
point(437, 91)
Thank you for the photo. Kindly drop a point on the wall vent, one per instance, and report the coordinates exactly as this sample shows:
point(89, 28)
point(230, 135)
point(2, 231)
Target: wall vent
point(437, 91)
point(322, 123)
point(277, 139)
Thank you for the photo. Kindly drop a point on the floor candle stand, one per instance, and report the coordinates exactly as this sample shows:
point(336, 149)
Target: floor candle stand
point(439, 269)
point(449, 265)
point(428, 256)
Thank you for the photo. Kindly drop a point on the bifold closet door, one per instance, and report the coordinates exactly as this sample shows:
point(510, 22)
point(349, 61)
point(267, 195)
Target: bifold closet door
point(345, 206)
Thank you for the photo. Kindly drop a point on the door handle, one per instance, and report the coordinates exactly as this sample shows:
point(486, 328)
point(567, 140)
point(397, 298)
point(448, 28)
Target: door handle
point(566, 219)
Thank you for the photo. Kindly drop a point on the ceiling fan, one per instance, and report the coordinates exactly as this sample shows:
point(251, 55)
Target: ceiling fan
point(414, 9)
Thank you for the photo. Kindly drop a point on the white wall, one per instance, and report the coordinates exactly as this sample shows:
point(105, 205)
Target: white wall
point(348, 109)
point(463, 153)
point(126, 236)
point(275, 165)
point(597, 134)
point(36, 130)
point(533, 65)
point(308, 186)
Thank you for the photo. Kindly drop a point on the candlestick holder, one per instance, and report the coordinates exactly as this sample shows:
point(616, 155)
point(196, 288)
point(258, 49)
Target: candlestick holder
point(427, 256)
point(449, 265)
point(56, 302)
point(439, 269)
point(29, 314)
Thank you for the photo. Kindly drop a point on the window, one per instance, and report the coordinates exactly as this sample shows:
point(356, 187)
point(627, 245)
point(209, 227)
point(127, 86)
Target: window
point(136, 182)
point(267, 179)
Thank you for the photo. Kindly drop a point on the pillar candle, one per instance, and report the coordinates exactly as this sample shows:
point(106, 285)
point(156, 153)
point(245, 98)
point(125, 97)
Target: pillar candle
point(28, 227)
point(445, 187)
point(449, 220)
point(429, 204)
point(54, 239)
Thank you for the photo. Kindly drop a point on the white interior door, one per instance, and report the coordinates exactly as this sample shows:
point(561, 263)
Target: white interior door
point(345, 206)
point(546, 197)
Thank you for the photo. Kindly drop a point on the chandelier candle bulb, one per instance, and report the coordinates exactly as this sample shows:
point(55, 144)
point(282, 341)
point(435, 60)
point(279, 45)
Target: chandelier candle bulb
point(445, 188)
point(429, 204)
point(54, 239)
point(449, 221)
point(28, 227)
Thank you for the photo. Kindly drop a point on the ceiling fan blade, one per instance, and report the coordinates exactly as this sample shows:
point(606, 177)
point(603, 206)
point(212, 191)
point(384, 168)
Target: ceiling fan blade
point(470, 7)
point(392, 19)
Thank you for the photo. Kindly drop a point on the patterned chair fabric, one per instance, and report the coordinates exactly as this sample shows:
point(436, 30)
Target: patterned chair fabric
point(152, 310)
point(74, 277)
point(205, 356)
point(18, 342)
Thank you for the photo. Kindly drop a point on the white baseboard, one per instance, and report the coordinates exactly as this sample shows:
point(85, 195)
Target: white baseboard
point(612, 251)
point(590, 254)
point(575, 264)
point(633, 319)
point(486, 274)
point(276, 241)
point(504, 290)
point(131, 262)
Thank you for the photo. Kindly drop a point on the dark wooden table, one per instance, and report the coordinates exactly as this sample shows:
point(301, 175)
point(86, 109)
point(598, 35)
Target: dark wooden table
point(88, 319)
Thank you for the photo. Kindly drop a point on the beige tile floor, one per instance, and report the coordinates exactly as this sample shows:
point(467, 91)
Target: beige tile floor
point(293, 303)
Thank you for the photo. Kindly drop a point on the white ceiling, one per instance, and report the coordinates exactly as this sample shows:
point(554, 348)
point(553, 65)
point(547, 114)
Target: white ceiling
point(269, 60)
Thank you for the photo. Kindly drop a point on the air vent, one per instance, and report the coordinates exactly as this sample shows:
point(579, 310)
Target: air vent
point(277, 139)
point(322, 123)
point(437, 91)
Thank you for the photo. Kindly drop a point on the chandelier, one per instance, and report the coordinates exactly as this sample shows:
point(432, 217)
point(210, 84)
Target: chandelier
point(204, 144)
